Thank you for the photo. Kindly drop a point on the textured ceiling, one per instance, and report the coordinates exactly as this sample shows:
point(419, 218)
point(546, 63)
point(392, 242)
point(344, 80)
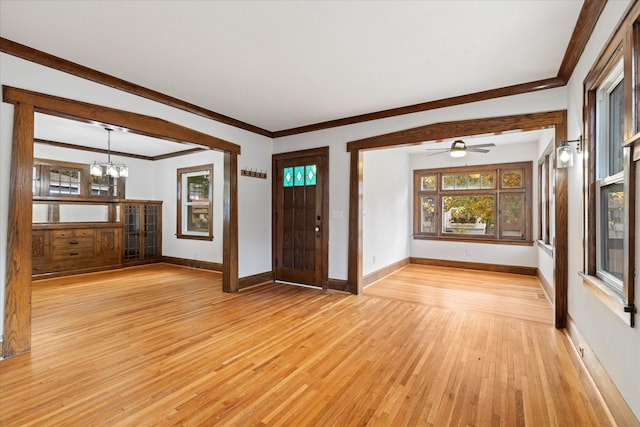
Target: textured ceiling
point(283, 64)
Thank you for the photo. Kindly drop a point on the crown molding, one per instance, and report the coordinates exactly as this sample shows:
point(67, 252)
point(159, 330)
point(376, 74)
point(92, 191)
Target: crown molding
point(39, 57)
point(587, 19)
point(430, 105)
point(589, 14)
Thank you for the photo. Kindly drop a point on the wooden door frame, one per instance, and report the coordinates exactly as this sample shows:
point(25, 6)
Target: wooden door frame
point(17, 303)
point(456, 129)
point(324, 243)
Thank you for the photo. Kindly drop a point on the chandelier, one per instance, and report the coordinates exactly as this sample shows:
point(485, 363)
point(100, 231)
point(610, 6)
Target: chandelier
point(109, 169)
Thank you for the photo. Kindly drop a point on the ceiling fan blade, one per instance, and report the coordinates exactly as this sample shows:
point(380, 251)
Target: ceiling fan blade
point(438, 149)
point(477, 150)
point(440, 152)
point(491, 144)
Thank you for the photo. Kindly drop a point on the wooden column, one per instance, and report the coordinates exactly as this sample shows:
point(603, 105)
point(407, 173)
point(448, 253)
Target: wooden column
point(354, 264)
point(17, 308)
point(230, 223)
point(561, 252)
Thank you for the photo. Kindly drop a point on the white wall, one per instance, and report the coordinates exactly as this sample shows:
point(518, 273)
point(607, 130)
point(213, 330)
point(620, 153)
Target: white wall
point(616, 345)
point(254, 195)
point(386, 209)
point(166, 185)
point(521, 255)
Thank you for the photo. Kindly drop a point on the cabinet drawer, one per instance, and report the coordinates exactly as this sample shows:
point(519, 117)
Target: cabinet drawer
point(73, 232)
point(72, 243)
point(39, 266)
point(73, 253)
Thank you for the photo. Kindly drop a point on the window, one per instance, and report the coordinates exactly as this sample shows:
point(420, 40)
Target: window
point(298, 176)
point(195, 203)
point(546, 198)
point(612, 128)
point(104, 186)
point(609, 189)
point(485, 203)
point(59, 179)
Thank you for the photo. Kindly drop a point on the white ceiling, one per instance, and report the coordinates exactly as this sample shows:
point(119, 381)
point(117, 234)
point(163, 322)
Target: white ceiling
point(283, 64)
point(94, 135)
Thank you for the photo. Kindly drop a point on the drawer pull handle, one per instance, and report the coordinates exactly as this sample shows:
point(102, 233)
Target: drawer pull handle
point(74, 253)
point(74, 242)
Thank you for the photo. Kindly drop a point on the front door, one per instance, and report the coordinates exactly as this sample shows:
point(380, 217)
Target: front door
point(300, 207)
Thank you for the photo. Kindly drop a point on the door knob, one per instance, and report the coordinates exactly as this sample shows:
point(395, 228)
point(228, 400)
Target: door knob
point(317, 231)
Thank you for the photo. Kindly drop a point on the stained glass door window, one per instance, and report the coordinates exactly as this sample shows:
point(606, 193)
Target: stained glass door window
point(299, 176)
point(287, 177)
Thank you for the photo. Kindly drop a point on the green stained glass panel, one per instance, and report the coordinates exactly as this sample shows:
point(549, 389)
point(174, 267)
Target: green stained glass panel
point(310, 175)
point(287, 177)
point(298, 176)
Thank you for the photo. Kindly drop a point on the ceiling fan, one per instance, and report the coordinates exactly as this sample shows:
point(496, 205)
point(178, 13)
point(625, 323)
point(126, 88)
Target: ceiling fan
point(459, 148)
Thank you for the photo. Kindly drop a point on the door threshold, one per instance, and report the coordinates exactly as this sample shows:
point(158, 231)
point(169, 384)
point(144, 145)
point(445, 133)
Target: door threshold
point(284, 282)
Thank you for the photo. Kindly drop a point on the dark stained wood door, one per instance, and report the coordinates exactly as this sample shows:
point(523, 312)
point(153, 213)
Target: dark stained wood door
point(300, 208)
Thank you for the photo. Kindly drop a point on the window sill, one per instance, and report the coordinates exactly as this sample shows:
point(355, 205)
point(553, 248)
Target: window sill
point(548, 249)
point(610, 298)
point(474, 240)
point(188, 236)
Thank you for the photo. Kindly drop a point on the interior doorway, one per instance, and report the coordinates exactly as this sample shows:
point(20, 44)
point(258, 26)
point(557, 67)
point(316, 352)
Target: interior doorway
point(300, 217)
point(17, 304)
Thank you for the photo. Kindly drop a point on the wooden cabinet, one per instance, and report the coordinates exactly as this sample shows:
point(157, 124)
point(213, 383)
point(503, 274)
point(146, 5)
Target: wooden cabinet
point(66, 248)
point(142, 228)
point(131, 233)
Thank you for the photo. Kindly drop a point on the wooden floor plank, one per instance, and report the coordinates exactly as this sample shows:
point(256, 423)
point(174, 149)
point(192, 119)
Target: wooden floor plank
point(163, 345)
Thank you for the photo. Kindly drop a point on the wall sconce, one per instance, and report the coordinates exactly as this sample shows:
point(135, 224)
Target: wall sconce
point(564, 153)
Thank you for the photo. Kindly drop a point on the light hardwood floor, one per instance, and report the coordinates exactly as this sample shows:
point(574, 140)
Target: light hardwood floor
point(426, 346)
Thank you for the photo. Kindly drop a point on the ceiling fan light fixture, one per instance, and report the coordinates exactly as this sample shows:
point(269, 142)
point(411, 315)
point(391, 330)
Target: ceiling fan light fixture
point(458, 149)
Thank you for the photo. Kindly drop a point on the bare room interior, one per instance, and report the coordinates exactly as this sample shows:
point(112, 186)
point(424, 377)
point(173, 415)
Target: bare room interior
point(319, 213)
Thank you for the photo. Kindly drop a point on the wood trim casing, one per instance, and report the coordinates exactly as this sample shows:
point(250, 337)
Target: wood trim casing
point(91, 149)
point(454, 129)
point(518, 89)
point(585, 24)
point(230, 223)
point(117, 153)
point(338, 285)
point(555, 119)
point(498, 268)
point(193, 263)
point(180, 199)
point(354, 255)
point(17, 320)
point(498, 169)
point(255, 279)
point(618, 407)
point(39, 57)
point(17, 304)
point(623, 45)
point(134, 122)
point(384, 271)
point(587, 20)
point(546, 286)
